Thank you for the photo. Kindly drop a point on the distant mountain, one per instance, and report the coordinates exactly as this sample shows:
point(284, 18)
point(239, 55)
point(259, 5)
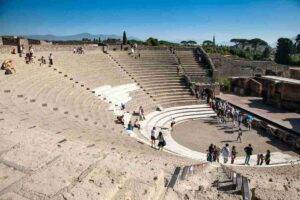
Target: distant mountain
point(73, 37)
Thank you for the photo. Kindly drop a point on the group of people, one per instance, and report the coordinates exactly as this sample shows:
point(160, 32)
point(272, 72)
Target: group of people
point(226, 112)
point(214, 152)
point(8, 67)
point(78, 50)
point(160, 138)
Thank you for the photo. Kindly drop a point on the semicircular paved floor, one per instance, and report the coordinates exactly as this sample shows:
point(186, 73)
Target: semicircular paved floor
point(199, 134)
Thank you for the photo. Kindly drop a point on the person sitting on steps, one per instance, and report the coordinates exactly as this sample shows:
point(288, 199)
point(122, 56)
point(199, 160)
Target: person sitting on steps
point(137, 124)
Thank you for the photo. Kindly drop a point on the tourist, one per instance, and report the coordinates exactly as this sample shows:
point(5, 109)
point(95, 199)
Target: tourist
point(260, 159)
point(153, 137)
point(240, 134)
point(161, 141)
point(233, 154)
point(210, 153)
point(7, 65)
point(31, 51)
point(225, 153)
point(13, 51)
point(216, 153)
point(141, 113)
point(240, 119)
point(178, 68)
point(130, 126)
point(268, 157)
point(122, 106)
point(172, 123)
point(249, 121)
point(137, 124)
point(50, 59)
point(248, 150)
point(42, 61)
point(74, 50)
point(120, 119)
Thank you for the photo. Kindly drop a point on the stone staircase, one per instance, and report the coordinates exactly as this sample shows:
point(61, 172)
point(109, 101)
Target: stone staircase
point(192, 66)
point(155, 72)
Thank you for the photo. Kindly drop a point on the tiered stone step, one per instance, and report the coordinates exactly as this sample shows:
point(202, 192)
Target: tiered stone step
point(192, 67)
point(155, 72)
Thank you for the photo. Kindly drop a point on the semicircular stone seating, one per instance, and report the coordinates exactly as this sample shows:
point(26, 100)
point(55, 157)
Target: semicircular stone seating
point(162, 121)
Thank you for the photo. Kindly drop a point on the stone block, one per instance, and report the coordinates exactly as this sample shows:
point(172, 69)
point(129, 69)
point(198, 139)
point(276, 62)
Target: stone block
point(8, 176)
point(12, 196)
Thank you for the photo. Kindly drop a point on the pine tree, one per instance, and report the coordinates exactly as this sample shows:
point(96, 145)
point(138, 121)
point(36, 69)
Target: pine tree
point(284, 48)
point(124, 38)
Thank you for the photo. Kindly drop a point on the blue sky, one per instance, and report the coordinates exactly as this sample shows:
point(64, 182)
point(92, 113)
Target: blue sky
point(172, 20)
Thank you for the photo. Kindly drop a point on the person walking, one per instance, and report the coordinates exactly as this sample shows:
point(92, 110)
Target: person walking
point(225, 153)
point(216, 153)
point(249, 121)
point(248, 150)
point(260, 159)
point(210, 153)
point(268, 157)
point(240, 134)
point(152, 137)
point(172, 123)
point(233, 154)
point(161, 141)
point(50, 59)
point(141, 113)
point(240, 119)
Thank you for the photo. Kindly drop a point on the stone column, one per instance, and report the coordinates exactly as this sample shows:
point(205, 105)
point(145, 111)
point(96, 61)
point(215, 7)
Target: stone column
point(1, 41)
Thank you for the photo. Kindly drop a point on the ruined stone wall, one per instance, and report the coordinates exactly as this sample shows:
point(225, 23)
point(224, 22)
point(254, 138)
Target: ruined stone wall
point(229, 67)
point(10, 41)
point(295, 73)
point(290, 92)
point(23, 42)
point(255, 87)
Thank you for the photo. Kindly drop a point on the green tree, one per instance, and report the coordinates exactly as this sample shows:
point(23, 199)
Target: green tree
point(191, 42)
point(284, 48)
point(257, 42)
point(241, 42)
point(124, 38)
point(183, 42)
point(207, 43)
point(266, 53)
point(152, 41)
point(164, 42)
point(298, 43)
point(99, 39)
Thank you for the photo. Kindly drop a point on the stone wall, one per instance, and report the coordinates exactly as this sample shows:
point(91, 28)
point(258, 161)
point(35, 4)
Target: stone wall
point(295, 73)
point(255, 87)
point(277, 93)
point(290, 92)
point(23, 42)
point(10, 41)
point(205, 58)
point(228, 66)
